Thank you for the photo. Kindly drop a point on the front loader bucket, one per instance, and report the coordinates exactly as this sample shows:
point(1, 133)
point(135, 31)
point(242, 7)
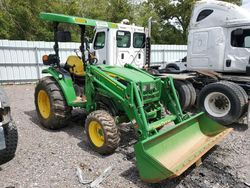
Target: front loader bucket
point(172, 151)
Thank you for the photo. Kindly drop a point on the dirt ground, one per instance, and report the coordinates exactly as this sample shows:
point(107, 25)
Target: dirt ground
point(47, 158)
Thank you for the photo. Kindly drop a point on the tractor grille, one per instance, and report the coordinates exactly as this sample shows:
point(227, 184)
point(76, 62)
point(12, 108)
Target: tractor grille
point(150, 91)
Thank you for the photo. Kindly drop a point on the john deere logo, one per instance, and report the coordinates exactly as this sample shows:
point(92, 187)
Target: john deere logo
point(80, 20)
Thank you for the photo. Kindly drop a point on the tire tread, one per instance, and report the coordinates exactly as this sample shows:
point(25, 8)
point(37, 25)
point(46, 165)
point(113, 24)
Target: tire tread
point(111, 131)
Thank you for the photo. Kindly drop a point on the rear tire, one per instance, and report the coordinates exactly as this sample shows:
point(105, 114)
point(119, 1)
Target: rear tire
point(183, 92)
point(192, 93)
point(11, 139)
point(51, 105)
point(102, 132)
point(245, 96)
point(222, 101)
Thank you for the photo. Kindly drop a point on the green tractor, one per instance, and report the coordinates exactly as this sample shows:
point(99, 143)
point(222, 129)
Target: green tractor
point(168, 141)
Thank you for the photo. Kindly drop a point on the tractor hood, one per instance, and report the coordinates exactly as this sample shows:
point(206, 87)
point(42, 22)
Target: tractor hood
point(128, 74)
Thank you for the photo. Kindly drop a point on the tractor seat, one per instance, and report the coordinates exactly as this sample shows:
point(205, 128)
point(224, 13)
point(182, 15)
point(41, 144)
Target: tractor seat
point(75, 66)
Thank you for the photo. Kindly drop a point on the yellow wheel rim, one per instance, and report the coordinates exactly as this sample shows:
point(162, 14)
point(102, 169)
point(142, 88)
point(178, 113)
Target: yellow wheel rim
point(96, 133)
point(43, 104)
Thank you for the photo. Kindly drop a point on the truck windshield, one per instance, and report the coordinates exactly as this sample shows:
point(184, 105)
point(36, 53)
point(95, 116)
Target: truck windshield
point(139, 40)
point(240, 38)
point(123, 39)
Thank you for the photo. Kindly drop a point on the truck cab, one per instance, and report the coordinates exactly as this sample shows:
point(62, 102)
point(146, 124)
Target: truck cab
point(120, 45)
point(219, 37)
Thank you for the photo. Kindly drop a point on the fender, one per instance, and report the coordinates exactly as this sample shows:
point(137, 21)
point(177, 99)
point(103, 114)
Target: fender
point(64, 80)
point(172, 65)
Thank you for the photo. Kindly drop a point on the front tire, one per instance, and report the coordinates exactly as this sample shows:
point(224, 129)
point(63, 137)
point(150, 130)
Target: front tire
point(222, 101)
point(11, 139)
point(102, 132)
point(51, 105)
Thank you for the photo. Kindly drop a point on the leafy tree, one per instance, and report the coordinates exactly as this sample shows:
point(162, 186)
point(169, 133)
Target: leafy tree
point(172, 16)
point(20, 19)
point(118, 10)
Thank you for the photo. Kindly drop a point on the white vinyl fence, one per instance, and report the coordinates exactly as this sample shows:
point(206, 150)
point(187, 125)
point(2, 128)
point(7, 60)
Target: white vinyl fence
point(21, 61)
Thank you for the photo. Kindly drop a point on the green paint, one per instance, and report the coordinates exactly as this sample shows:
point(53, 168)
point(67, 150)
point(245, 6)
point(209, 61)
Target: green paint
point(170, 100)
point(127, 73)
point(65, 83)
point(161, 122)
point(153, 145)
point(138, 106)
point(161, 152)
point(61, 18)
point(154, 156)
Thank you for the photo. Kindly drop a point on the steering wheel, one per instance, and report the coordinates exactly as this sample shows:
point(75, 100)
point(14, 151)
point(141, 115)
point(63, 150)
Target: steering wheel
point(91, 59)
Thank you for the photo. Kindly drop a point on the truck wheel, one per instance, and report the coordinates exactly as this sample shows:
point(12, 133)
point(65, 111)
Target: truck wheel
point(192, 93)
point(11, 138)
point(51, 105)
point(222, 101)
point(102, 132)
point(245, 96)
point(183, 93)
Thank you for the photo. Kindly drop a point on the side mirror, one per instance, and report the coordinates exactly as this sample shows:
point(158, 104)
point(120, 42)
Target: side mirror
point(238, 32)
point(63, 36)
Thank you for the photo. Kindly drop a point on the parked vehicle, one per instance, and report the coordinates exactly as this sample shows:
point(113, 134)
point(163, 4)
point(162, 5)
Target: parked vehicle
point(168, 141)
point(8, 130)
point(218, 60)
point(215, 73)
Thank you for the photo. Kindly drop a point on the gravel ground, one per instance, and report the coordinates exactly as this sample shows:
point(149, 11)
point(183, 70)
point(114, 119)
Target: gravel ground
point(47, 158)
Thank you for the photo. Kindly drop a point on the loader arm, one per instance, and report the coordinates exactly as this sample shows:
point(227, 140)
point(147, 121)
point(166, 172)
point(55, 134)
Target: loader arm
point(162, 150)
point(169, 98)
point(132, 100)
point(168, 143)
point(127, 96)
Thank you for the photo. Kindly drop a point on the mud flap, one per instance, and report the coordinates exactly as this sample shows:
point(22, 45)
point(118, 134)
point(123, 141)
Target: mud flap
point(169, 153)
point(2, 139)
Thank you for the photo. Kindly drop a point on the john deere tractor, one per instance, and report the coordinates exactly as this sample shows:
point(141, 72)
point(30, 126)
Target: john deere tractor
point(168, 141)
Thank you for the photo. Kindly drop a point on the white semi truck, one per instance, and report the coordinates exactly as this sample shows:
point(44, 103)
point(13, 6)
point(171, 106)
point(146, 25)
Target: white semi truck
point(121, 45)
point(218, 59)
point(217, 63)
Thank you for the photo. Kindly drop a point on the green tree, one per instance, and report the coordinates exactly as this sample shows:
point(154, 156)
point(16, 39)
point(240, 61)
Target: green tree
point(118, 10)
point(20, 19)
point(172, 18)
